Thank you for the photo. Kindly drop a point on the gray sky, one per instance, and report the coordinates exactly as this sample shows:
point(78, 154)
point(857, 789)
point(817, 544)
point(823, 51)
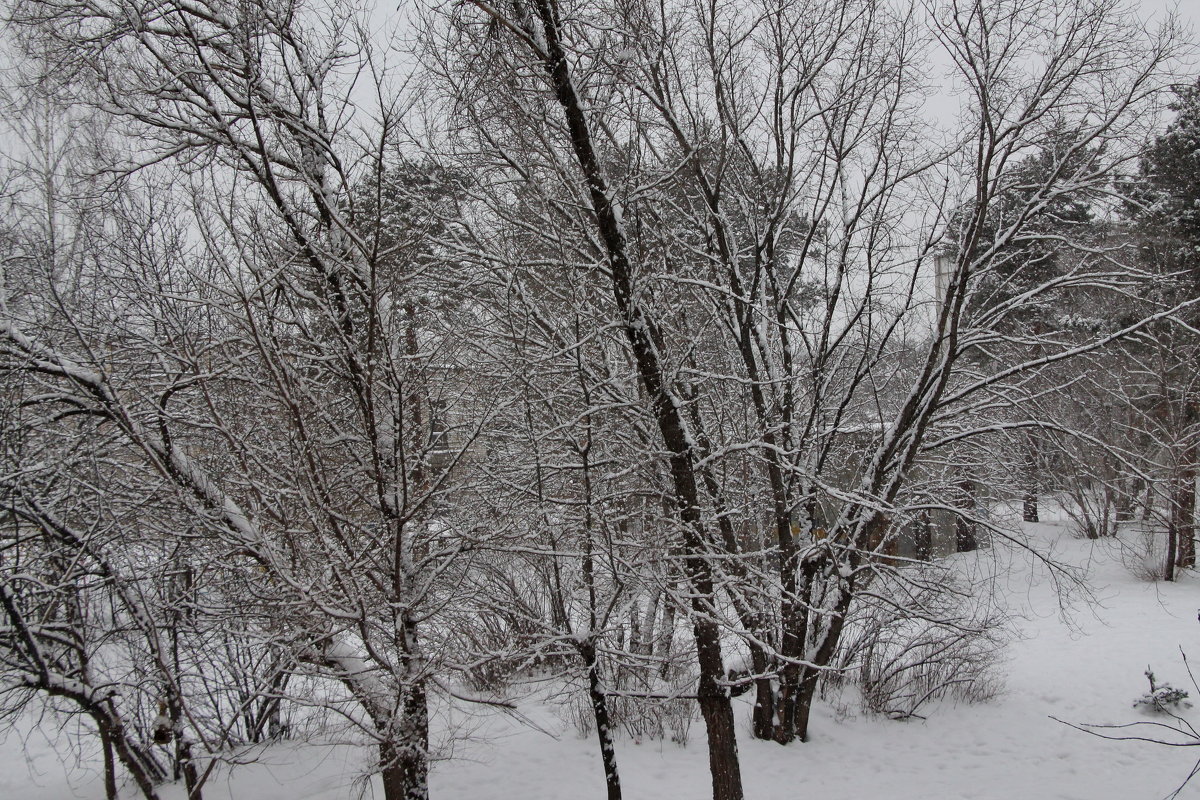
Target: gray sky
point(388, 15)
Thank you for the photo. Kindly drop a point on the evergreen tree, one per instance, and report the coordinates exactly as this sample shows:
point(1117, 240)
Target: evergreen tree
point(1170, 179)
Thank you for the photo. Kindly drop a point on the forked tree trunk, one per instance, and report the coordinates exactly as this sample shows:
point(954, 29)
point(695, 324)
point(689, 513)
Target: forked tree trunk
point(822, 658)
point(140, 765)
point(794, 624)
point(791, 712)
point(184, 765)
point(763, 717)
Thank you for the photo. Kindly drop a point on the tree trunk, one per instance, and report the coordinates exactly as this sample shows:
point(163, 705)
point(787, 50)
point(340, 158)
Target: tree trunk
point(403, 734)
point(397, 775)
point(1029, 508)
point(183, 765)
point(1173, 519)
point(403, 763)
point(821, 658)
point(664, 640)
point(187, 765)
point(649, 626)
point(804, 702)
point(1172, 550)
point(794, 623)
point(923, 537)
point(1183, 518)
point(965, 529)
point(711, 693)
point(270, 713)
point(608, 752)
point(141, 766)
point(110, 767)
point(791, 715)
point(1125, 494)
point(1184, 510)
point(717, 712)
point(1029, 505)
point(763, 718)
point(645, 343)
point(250, 722)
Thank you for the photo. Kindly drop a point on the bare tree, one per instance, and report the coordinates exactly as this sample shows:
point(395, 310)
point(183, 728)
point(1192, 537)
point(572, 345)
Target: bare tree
point(357, 374)
point(275, 372)
point(753, 187)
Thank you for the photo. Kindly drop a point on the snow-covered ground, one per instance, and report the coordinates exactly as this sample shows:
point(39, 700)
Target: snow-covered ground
point(1087, 668)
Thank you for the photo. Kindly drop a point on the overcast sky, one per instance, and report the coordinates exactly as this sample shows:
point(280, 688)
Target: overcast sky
point(389, 15)
point(1187, 10)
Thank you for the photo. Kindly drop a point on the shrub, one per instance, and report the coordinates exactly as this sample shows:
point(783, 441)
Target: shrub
point(939, 642)
point(1163, 698)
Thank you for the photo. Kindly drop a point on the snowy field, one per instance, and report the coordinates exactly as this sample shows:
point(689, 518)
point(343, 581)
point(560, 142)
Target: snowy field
point(1085, 668)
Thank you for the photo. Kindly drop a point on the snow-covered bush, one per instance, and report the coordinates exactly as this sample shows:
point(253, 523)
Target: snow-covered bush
point(644, 719)
point(643, 704)
point(650, 693)
point(920, 636)
point(1163, 698)
point(1144, 550)
point(503, 633)
point(1091, 507)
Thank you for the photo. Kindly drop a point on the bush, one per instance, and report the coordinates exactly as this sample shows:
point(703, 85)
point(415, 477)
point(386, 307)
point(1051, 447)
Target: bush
point(1163, 698)
point(937, 643)
point(644, 704)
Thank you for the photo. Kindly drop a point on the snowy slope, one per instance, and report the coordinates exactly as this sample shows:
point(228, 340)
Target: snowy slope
point(1087, 668)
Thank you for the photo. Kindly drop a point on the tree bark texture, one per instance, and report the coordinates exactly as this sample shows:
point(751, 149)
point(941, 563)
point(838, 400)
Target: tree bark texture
point(403, 765)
